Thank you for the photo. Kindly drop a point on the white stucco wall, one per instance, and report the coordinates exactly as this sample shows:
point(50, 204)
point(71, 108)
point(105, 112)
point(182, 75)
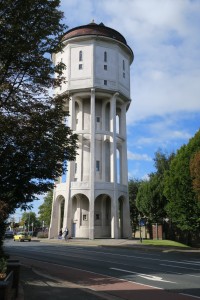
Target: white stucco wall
point(98, 116)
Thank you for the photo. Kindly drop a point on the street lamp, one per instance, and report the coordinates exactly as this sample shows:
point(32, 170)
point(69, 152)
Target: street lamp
point(140, 228)
point(43, 227)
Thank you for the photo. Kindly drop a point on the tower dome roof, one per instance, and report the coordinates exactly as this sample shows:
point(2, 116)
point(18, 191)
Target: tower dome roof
point(94, 29)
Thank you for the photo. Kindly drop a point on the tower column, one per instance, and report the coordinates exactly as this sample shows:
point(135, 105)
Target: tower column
point(92, 164)
point(124, 162)
point(68, 204)
point(113, 164)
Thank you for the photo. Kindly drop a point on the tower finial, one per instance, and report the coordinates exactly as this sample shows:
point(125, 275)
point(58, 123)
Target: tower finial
point(92, 21)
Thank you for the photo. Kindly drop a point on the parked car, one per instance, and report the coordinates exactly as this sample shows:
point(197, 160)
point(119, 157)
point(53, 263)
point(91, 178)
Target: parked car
point(9, 234)
point(22, 236)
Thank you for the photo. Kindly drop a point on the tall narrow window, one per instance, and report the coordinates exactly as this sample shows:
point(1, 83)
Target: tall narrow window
point(97, 165)
point(98, 119)
point(81, 55)
point(123, 65)
point(61, 85)
point(98, 124)
point(105, 56)
point(75, 168)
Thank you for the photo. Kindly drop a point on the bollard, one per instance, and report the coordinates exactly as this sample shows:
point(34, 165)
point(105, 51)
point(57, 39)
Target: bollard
point(14, 265)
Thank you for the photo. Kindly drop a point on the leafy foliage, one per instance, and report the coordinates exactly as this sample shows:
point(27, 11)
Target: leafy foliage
point(46, 208)
point(34, 140)
point(150, 199)
point(29, 218)
point(195, 173)
point(133, 187)
point(183, 207)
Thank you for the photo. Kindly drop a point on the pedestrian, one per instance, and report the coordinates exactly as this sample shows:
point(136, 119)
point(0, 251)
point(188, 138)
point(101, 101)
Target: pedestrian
point(66, 232)
point(60, 234)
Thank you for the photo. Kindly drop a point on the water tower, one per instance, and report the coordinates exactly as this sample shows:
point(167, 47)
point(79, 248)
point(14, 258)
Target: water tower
point(93, 199)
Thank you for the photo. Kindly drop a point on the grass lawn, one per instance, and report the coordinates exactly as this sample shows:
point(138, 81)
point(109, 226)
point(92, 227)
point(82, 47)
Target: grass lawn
point(165, 243)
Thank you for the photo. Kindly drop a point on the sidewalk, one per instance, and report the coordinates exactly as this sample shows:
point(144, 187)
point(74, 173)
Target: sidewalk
point(122, 243)
point(35, 286)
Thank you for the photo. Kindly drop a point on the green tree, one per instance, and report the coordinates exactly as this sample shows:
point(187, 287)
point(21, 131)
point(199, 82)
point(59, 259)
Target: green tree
point(150, 200)
point(195, 173)
point(29, 218)
point(133, 187)
point(183, 207)
point(46, 208)
point(34, 140)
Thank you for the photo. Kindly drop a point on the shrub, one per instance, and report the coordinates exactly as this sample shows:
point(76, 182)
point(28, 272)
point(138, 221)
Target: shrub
point(42, 234)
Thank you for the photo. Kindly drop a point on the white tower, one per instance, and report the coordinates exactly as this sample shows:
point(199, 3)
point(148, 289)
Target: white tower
point(93, 200)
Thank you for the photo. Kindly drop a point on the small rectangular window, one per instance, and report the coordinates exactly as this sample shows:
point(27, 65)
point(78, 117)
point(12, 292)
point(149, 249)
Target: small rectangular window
point(97, 165)
point(98, 119)
point(105, 67)
point(85, 218)
point(80, 66)
point(123, 75)
point(97, 216)
point(105, 82)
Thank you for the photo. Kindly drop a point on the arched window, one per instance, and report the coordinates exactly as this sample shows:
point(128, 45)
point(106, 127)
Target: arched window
point(81, 55)
point(105, 56)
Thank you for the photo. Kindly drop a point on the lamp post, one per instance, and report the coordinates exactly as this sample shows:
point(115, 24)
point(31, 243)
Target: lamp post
point(43, 227)
point(140, 228)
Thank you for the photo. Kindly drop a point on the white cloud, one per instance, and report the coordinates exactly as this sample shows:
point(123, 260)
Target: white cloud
point(136, 156)
point(164, 35)
point(165, 74)
point(77, 13)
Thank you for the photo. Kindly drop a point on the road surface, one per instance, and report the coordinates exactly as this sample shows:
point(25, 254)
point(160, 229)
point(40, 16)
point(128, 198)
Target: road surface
point(118, 271)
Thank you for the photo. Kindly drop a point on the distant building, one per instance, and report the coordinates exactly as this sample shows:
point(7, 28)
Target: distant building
point(93, 202)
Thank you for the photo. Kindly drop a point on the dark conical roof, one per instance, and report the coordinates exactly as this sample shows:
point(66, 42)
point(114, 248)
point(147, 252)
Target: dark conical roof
point(94, 29)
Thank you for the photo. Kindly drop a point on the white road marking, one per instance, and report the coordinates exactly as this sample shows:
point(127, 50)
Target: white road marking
point(197, 297)
point(146, 276)
point(179, 267)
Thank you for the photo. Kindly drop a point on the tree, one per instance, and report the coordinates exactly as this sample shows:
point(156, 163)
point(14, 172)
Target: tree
point(150, 200)
point(29, 218)
point(133, 187)
point(34, 139)
point(195, 173)
point(46, 208)
point(183, 207)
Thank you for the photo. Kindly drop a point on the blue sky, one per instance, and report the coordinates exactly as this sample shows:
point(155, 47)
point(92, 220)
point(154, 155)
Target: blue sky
point(165, 75)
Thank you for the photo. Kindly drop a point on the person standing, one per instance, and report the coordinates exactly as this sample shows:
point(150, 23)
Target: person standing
point(60, 234)
point(66, 232)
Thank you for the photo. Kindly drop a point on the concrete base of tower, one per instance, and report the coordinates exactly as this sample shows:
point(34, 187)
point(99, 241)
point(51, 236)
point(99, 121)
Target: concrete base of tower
point(103, 215)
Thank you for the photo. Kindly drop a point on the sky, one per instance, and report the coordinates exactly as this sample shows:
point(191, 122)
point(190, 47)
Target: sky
point(165, 74)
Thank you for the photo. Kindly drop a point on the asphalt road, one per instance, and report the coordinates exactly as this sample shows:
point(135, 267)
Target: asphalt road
point(175, 272)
